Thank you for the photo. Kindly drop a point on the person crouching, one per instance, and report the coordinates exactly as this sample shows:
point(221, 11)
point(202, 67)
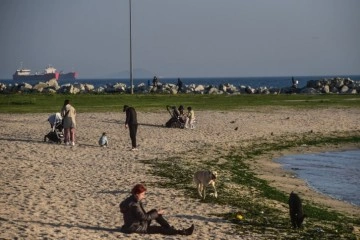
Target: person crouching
point(103, 141)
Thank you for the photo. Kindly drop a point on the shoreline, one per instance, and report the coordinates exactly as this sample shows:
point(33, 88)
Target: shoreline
point(286, 179)
point(343, 148)
point(57, 191)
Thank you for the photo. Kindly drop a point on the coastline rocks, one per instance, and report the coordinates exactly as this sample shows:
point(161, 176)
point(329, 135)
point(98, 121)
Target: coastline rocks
point(323, 86)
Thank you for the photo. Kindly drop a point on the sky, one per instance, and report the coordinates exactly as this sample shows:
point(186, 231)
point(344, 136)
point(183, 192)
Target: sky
point(182, 38)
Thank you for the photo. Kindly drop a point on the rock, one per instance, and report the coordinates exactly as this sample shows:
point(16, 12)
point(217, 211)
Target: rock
point(353, 91)
point(326, 89)
point(89, 87)
point(334, 85)
point(344, 89)
point(309, 91)
point(338, 83)
point(53, 83)
point(213, 90)
point(249, 90)
point(119, 87)
point(49, 90)
point(25, 87)
point(199, 88)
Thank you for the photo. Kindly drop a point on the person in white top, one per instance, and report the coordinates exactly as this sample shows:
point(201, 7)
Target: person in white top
point(68, 113)
point(54, 120)
point(190, 119)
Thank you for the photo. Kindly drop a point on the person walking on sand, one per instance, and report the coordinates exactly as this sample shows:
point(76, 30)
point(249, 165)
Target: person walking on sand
point(131, 123)
point(68, 114)
point(137, 220)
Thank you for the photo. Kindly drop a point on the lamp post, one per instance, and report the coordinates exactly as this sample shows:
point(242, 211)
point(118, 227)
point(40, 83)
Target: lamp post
point(131, 65)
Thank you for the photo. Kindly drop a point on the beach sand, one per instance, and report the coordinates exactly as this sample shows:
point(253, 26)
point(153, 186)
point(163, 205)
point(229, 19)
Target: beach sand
point(51, 191)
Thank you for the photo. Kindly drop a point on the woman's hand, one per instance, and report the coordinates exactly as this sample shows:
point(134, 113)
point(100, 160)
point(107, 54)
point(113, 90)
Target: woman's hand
point(160, 212)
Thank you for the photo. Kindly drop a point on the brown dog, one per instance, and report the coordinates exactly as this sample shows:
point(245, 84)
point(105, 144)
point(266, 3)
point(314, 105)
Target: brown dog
point(204, 178)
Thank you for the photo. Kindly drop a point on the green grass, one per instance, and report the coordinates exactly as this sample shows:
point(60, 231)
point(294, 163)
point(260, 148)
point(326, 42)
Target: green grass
point(260, 216)
point(30, 103)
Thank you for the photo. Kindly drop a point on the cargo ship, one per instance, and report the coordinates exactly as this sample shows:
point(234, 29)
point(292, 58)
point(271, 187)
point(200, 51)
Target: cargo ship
point(24, 74)
point(49, 73)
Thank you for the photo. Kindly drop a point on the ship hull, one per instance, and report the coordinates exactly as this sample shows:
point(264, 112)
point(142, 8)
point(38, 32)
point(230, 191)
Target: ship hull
point(37, 77)
point(71, 76)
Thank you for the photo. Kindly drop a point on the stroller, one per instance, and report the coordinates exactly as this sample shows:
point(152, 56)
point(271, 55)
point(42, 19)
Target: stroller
point(175, 121)
point(56, 132)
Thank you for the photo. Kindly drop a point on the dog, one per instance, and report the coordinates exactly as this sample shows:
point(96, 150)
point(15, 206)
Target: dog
point(296, 210)
point(204, 178)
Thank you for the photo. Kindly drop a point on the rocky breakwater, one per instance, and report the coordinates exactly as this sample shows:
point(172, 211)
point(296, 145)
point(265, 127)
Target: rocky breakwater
point(334, 85)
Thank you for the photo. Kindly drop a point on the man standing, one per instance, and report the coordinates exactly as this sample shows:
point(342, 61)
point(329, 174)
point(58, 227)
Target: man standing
point(131, 123)
point(180, 84)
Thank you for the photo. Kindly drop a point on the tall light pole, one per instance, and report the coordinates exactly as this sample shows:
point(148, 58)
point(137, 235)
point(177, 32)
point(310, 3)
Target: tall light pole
point(131, 65)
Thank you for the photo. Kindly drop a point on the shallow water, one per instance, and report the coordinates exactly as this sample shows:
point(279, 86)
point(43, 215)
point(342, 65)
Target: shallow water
point(336, 174)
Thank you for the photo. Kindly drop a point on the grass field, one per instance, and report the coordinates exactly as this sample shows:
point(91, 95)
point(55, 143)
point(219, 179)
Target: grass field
point(35, 103)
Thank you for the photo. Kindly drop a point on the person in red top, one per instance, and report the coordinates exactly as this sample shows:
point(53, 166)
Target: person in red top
point(137, 220)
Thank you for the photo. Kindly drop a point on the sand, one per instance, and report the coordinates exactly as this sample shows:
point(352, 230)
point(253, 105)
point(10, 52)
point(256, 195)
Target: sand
point(51, 191)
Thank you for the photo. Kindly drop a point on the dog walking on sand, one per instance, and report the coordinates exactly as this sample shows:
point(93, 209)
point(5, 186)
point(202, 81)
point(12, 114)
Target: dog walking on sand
point(296, 210)
point(203, 179)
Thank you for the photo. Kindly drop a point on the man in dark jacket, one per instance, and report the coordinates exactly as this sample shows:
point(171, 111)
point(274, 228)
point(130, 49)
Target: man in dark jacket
point(137, 220)
point(131, 123)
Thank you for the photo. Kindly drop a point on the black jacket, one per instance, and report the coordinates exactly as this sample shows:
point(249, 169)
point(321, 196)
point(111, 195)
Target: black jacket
point(136, 220)
point(131, 118)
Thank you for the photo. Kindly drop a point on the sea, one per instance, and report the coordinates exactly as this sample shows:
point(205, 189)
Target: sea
point(336, 174)
point(255, 82)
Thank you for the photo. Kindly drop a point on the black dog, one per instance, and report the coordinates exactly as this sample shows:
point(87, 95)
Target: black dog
point(296, 211)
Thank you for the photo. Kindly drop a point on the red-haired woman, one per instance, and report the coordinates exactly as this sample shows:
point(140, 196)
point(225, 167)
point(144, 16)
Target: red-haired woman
point(136, 220)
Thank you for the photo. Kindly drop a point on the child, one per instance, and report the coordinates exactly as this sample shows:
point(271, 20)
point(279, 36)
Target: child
point(103, 141)
point(190, 120)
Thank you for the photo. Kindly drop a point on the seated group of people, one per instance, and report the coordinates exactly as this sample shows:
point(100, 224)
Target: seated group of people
point(187, 118)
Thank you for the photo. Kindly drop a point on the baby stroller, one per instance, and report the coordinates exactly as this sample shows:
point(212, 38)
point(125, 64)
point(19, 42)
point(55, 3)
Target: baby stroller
point(175, 121)
point(56, 132)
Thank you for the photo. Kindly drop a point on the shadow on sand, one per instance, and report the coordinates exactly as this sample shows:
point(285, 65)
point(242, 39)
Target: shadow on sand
point(97, 228)
point(21, 140)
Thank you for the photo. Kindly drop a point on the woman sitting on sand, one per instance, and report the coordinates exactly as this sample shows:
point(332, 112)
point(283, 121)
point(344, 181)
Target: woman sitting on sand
point(136, 220)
